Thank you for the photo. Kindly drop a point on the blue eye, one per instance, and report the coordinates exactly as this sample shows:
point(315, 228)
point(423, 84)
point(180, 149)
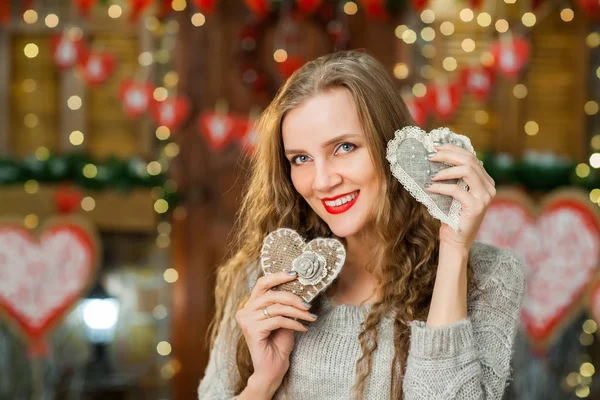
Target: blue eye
point(345, 147)
point(299, 160)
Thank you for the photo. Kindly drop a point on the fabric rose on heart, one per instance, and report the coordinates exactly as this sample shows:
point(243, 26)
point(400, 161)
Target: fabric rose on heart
point(311, 268)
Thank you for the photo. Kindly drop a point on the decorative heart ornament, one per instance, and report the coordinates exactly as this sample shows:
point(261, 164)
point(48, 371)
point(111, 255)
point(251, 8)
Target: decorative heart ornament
point(41, 280)
point(560, 244)
point(317, 262)
point(172, 112)
point(97, 67)
point(66, 51)
point(135, 97)
point(477, 80)
point(444, 99)
point(218, 129)
point(407, 155)
point(510, 55)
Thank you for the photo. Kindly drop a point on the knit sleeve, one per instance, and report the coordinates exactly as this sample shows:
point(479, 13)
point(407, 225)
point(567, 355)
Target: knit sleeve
point(470, 359)
point(221, 373)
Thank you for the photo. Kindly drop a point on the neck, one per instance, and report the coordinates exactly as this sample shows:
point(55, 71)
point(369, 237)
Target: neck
point(355, 284)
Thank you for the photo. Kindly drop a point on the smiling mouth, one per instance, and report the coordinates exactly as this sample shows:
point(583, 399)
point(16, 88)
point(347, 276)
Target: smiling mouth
point(340, 204)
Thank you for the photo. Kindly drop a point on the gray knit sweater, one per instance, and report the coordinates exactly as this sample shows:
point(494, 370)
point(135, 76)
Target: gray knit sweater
point(467, 360)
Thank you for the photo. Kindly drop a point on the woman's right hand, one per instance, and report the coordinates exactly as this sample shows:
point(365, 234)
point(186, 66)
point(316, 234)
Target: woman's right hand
point(271, 339)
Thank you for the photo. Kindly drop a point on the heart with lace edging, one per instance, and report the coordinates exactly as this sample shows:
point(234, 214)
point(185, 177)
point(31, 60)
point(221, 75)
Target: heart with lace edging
point(317, 262)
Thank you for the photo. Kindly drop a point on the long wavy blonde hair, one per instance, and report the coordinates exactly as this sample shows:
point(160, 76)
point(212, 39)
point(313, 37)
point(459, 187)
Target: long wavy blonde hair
point(405, 259)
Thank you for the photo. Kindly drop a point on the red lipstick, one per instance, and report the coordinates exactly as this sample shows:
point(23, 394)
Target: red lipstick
point(341, 208)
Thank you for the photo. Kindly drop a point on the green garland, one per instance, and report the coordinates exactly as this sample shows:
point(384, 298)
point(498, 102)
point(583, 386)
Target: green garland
point(111, 174)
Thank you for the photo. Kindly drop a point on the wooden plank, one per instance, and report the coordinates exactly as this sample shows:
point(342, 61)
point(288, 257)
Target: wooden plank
point(114, 211)
point(4, 94)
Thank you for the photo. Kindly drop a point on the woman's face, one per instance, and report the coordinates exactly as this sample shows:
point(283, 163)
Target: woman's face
point(330, 163)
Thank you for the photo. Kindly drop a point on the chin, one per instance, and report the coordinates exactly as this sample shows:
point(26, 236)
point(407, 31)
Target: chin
point(344, 228)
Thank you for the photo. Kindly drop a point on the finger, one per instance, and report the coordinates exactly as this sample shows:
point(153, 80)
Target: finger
point(278, 296)
point(456, 155)
point(276, 310)
point(478, 186)
point(266, 282)
point(269, 325)
point(466, 199)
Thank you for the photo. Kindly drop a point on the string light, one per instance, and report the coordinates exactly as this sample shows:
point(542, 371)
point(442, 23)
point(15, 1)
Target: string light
point(427, 16)
point(400, 30)
point(532, 128)
point(31, 186)
point(31, 50)
point(160, 312)
point(90, 171)
point(419, 90)
point(171, 275)
point(350, 8)
point(76, 138)
point(591, 107)
point(401, 71)
point(567, 15)
point(51, 20)
point(74, 102)
point(153, 168)
point(409, 36)
point(466, 15)
point(520, 91)
point(595, 160)
point(428, 34)
point(593, 39)
point(162, 133)
point(30, 16)
point(594, 196)
point(449, 64)
point(502, 25)
point(115, 11)
point(145, 59)
point(42, 153)
point(160, 94)
point(582, 170)
point(468, 45)
point(280, 55)
point(198, 19)
point(31, 221)
point(88, 203)
point(29, 85)
point(528, 19)
point(163, 348)
point(31, 120)
point(484, 19)
point(447, 28)
point(179, 5)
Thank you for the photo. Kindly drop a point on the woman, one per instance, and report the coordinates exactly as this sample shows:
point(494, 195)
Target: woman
point(419, 311)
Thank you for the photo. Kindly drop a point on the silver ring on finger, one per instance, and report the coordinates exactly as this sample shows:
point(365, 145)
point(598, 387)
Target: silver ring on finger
point(265, 312)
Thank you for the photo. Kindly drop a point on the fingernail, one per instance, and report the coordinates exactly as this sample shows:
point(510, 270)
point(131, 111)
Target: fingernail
point(315, 316)
point(427, 184)
point(292, 273)
point(432, 174)
point(437, 143)
point(431, 154)
point(305, 304)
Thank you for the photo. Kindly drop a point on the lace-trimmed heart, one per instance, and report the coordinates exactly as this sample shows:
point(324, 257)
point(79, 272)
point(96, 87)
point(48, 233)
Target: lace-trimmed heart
point(317, 262)
point(407, 155)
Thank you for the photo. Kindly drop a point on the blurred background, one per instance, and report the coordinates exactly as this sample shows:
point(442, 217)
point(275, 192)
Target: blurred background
point(125, 128)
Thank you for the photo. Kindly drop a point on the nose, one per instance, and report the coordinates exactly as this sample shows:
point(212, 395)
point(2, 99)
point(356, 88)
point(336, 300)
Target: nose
point(326, 177)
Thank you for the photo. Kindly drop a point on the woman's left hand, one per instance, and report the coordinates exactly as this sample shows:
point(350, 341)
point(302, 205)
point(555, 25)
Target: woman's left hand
point(474, 202)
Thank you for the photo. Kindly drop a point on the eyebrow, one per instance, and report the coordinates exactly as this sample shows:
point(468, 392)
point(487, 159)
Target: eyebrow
point(327, 143)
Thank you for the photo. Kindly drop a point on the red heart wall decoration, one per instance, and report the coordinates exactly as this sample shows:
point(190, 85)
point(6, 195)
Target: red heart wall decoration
point(561, 246)
point(172, 112)
point(66, 52)
point(217, 129)
point(96, 67)
point(135, 97)
point(510, 55)
point(41, 280)
point(444, 99)
point(477, 80)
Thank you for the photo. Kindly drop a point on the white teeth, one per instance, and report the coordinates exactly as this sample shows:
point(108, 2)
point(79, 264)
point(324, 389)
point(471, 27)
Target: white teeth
point(342, 200)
